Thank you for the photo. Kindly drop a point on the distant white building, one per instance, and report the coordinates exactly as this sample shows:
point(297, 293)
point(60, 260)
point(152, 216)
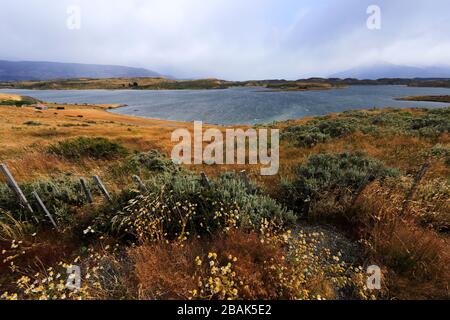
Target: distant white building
point(41, 107)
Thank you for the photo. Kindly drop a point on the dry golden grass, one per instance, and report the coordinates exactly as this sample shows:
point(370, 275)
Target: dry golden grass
point(418, 258)
point(10, 97)
point(23, 147)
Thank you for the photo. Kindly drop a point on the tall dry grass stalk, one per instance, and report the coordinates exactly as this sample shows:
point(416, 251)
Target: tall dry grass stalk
point(418, 257)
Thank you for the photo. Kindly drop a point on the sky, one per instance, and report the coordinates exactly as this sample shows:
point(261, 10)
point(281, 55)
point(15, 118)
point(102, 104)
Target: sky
point(228, 39)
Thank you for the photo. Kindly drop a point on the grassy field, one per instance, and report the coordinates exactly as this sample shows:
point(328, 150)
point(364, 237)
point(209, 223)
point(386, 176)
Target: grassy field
point(204, 84)
point(445, 99)
point(163, 84)
point(348, 195)
point(118, 84)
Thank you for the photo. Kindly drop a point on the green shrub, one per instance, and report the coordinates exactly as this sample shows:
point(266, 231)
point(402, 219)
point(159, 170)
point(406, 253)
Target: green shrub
point(183, 207)
point(430, 124)
point(433, 124)
point(330, 173)
point(144, 164)
point(320, 130)
point(85, 147)
point(61, 196)
point(17, 103)
point(338, 127)
point(32, 123)
point(305, 136)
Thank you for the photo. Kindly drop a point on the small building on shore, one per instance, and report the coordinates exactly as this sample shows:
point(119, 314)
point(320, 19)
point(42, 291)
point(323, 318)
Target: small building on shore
point(41, 107)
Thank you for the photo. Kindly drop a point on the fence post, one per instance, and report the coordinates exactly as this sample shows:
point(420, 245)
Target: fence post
point(244, 178)
point(139, 182)
point(102, 187)
point(415, 185)
point(205, 180)
point(44, 208)
point(86, 190)
point(15, 187)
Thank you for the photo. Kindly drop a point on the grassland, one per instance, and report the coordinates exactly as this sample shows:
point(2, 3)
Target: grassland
point(445, 99)
point(300, 86)
point(164, 84)
point(347, 196)
point(205, 84)
point(118, 84)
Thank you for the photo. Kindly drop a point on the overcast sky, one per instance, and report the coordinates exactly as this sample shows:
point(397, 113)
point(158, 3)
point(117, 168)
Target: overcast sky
point(229, 39)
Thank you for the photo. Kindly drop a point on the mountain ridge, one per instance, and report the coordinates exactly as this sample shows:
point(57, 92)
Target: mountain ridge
point(387, 70)
point(45, 70)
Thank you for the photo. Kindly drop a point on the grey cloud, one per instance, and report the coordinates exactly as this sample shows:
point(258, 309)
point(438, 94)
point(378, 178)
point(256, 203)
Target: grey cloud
point(231, 39)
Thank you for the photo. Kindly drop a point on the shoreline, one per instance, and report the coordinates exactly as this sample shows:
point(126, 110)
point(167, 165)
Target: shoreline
point(437, 99)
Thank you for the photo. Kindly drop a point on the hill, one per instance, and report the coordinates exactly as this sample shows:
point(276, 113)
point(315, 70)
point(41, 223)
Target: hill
point(386, 70)
point(33, 70)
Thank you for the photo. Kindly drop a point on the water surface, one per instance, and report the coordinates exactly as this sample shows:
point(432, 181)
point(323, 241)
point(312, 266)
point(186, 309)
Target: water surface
point(240, 105)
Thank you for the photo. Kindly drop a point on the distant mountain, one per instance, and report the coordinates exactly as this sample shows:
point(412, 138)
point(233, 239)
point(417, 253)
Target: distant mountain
point(33, 70)
point(385, 70)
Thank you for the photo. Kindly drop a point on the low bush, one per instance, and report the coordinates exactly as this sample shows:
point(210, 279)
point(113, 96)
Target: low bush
point(305, 136)
point(61, 196)
point(433, 124)
point(86, 147)
point(330, 175)
point(144, 163)
point(429, 123)
point(177, 206)
point(32, 123)
point(17, 103)
point(336, 128)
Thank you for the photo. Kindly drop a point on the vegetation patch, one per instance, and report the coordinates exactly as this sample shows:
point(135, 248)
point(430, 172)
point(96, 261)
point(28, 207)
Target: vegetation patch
point(430, 123)
point(32, 123)
point(87, 147)
point(60, 195)
point(182, 206)
point(330, 174)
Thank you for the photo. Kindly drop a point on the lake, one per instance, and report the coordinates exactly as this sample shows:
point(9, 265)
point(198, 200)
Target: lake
point(240, 105)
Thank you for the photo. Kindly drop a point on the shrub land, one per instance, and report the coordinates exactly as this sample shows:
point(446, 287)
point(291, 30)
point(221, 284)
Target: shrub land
point(355, 189)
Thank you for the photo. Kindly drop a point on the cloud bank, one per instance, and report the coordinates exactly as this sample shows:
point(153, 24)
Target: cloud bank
point(229, 39)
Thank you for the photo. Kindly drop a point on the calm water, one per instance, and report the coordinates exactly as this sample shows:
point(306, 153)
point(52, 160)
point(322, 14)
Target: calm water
point(240, 105)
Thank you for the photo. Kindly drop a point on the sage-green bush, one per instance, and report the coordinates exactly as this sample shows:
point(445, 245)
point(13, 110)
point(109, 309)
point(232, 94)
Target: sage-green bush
point(169, 195)
point(325, 173)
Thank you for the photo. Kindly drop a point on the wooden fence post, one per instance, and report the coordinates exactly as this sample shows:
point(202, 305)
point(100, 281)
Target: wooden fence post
point(15, 187)
point(86, 190)
point(43, 207)
point(246, 181)
point(139, 182)
point(423, 170)
point(102, 187)
point(205, 180)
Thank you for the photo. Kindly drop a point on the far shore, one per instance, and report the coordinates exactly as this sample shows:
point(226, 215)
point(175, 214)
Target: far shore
point(273, 85)
point(442, 99)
